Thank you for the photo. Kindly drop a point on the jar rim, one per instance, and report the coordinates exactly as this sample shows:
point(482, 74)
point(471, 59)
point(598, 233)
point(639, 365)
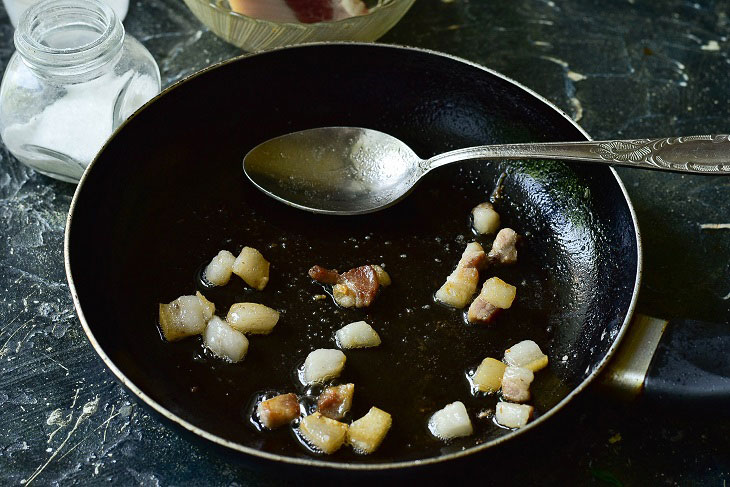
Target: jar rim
point(47, 16)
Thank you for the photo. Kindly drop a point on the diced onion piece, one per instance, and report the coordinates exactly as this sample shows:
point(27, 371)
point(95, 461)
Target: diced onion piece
point(323, 364)
point(513, 415)
point(252, 318)
point(459, 287)
point(278, 411)
point(516, 384)
point(367, 433)
point(224, 341)
point(323, 433)
point(251, 266)
point(383, 277)
point(186, 316)
point(484, 219)
point(451, 422)
point(336, 401)
point(488, 376)
point(218, 272)
point(357, 335)
point(526, 354)
point(498, 293)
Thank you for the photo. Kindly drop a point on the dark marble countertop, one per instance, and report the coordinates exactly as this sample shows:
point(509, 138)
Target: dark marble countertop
point(629, 68)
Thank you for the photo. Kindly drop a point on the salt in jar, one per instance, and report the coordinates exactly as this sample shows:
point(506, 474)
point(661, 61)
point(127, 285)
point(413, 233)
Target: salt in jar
point(74, 78)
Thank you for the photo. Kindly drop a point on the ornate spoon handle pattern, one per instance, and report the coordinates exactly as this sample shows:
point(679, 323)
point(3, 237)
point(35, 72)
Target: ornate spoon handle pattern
point(706, 154)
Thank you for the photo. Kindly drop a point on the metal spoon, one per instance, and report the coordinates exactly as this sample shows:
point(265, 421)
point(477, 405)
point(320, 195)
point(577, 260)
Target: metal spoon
point(350, 170)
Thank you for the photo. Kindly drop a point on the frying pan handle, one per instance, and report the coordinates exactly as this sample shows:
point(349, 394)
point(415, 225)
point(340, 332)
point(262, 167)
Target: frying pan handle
point(677, 363)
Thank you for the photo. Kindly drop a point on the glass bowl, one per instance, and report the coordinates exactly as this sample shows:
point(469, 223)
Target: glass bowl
point(256, 34)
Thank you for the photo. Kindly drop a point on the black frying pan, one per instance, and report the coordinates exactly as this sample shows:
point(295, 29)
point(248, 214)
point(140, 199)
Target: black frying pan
point(168, 192)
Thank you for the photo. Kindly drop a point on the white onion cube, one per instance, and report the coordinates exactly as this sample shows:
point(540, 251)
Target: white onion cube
point(225, 342)
point(450, 422)
point(513, 415)
point(219, 271)
point(526, 354)
point(323, 364)
point(357, 335)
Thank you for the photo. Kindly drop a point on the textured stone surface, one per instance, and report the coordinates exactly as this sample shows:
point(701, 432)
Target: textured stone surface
point(621, 68)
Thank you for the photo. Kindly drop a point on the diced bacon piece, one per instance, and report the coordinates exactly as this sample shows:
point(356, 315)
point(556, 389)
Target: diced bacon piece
point(462, 282)
point(186, 316)
point(383, 277)
point(336, 401)
point(252, 267)
point(323, 433)
point(459, 287)
point(488, 376)
point(325, 276)
point(357, 335)
point(367, 433)
point(513, 415)
point(498, 293)
point(473, 256)
point(356, 287)
point(323, 364)
point(225, 342)
point(526, 354)
point(252, 318)
point(219, 271)
point(278, 411)
point(364, 282)
point(343, 295)
point(516, 384)
point(484, 219)
point(504, 247)
point(451, 422)
point(482, 311)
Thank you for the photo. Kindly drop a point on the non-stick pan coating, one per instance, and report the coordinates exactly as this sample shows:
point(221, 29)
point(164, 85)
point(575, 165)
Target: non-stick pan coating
point(168, 192)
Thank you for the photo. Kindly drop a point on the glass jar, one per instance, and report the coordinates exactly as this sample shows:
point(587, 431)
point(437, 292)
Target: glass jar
point(74, 78)
point(15, 8)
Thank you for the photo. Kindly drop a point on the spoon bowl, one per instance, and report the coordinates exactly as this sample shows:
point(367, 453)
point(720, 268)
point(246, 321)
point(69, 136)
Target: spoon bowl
point(337, 170)
point(353, 170)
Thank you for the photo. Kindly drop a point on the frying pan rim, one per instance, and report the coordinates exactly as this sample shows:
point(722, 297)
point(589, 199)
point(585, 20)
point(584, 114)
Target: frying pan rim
point(315, 462)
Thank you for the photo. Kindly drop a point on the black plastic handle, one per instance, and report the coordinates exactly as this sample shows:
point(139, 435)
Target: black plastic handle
point(691, 365)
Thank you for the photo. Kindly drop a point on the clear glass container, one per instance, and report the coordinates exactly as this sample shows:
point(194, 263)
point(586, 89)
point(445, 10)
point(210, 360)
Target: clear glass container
point(15, 8)
point(74, 78)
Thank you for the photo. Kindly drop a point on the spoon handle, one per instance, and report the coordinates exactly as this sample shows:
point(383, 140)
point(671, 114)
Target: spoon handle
point(706, 154)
